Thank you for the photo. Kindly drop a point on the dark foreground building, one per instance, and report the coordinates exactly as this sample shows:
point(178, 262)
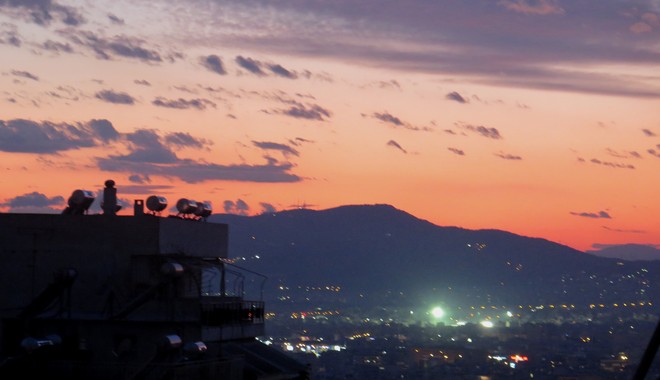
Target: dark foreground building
point(127, 297)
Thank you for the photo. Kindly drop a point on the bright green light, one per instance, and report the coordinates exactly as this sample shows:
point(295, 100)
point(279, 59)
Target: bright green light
point(437, 312)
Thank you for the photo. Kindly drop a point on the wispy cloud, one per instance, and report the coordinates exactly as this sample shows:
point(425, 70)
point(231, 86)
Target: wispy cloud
point(456, 151)
point(533, 7)
point(115, 19)
point(182, 104)
point(610, 164)
point(24, 74)
point(626, 231)
point(280, 71)
point(43, 12)
point(508, 156)
point(57, 47)
point(139, 178)
point(394, 121)
point(489, 132)
point(507, 46)
point(594, 215)
point(27, 136)
point(186, 140)
point(250, 65)
point(306, 111)
point(152, 154)
point(283, 148)
point(117, 46)
point(455, 96)
point(649, 132)
point(115, 97)
point(396, 145)
point(388, 118)
point(214, 64)
point(654, 152)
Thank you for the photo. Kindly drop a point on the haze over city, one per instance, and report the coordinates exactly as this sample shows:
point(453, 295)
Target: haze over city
point(538, 117)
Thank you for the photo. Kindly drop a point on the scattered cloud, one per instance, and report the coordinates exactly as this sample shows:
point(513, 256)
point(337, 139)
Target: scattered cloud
point(625, 155)
point(140, 189)
point(115, 97)
point(142, 82)
point(455, 96)
point(298, 141)
point(139, 178)
point(10, 37)
point(457, 151)
point(24, 74)
point(308, 111)
point(653, 152)
point(267, 208)
point(394, 121)
point(181, 104)
point(27, 136)
point(192, 171)
point(491, 133)
point(388, 118)
point(396, 145)
point(152, 154)
point(283, 148)
point(43, 12)
point(595, 215)
point(117, 46)
point(533, 7)
point(186, 140)
point(649, 132)
point(281, 71)
point(34, 202)
point(115, 20)
point(57, 47)
point(213, 63)
point(623, 231)
point(250, 65)
point(239, 207)
point(507, 156)
point(611, 164)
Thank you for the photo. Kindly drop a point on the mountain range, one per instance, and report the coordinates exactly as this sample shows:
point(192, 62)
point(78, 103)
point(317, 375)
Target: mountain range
point(378, 254)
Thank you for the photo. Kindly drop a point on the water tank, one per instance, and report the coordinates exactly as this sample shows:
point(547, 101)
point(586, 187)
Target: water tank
point(186, 206)
point(204, 209)
point(156, 203)
point(81, 199)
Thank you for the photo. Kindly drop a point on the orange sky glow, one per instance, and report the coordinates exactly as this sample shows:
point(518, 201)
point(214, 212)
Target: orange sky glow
point(541, 117)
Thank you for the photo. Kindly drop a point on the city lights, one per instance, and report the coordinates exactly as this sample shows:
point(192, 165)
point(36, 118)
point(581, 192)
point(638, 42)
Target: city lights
point(437, 312)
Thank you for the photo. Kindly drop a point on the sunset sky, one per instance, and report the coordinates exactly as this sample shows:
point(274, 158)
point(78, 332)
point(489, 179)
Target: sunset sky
point(539, 117)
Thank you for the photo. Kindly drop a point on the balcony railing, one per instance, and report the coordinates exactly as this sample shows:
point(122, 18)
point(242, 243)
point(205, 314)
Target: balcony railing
point(219, 311)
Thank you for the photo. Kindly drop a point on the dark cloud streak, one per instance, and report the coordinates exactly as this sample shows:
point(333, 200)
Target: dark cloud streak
point(594, 215)
point(114, 97)
point(214, 64)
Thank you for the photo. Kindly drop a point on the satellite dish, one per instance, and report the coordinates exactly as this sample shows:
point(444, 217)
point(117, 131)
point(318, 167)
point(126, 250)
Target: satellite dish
point(156, 203)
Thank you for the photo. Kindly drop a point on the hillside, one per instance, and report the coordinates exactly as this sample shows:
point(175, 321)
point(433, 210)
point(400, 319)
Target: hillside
point(374, 252)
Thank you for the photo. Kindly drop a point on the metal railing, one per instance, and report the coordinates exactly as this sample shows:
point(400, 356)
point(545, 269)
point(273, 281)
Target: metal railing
point(219, 312)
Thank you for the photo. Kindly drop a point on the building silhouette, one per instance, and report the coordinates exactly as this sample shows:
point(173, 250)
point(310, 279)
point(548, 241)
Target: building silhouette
point(127, 297)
